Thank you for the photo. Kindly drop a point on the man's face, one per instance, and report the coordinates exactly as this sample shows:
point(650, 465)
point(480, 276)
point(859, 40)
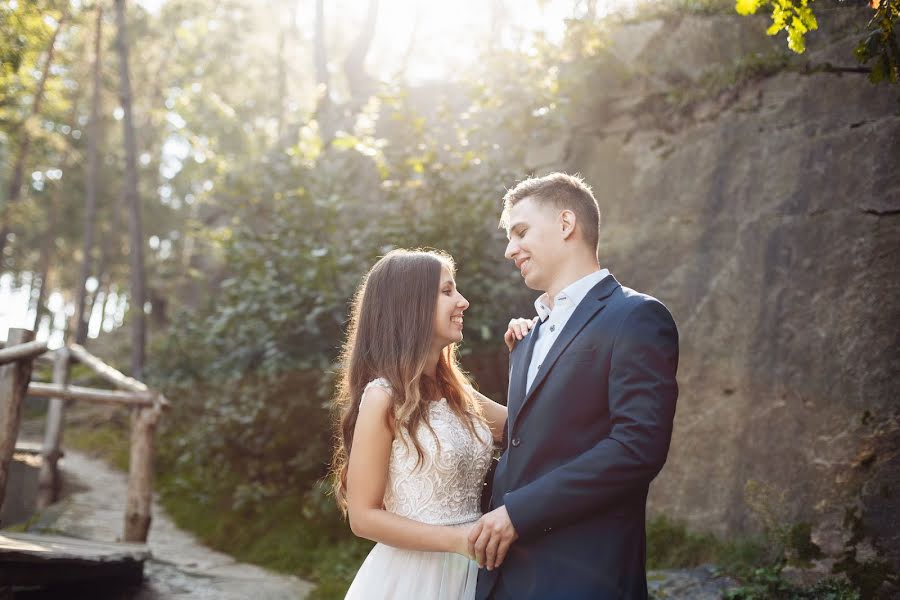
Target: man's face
point(535, 242)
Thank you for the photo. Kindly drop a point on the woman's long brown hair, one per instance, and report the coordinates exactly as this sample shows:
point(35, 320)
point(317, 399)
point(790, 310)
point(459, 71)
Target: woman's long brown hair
point(390, 335)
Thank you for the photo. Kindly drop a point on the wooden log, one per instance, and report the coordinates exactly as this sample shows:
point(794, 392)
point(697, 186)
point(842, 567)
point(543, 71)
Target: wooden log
point(140, 474)
point(28, 351)
point(84, 394)
point(49, 482)
point(105, 371)
point(14, 379)
point(112, 375)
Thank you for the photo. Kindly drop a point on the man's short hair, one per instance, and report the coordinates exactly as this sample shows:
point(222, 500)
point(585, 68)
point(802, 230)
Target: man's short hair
point(562, 191)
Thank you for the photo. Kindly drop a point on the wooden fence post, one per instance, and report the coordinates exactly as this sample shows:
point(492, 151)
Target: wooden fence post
point(49, 482)
point(140, 473)
point(14, 379)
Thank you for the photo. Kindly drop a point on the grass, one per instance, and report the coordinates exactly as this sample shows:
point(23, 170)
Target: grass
point(109, 442)
point(670, 545)
point(283, 537)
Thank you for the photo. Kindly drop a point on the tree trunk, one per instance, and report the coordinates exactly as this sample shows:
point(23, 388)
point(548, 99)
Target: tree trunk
point(411, 45)
point(95, 295)
point(106, 296)
point(282, 83)
point(132, 201)
point(90, 186)
point(360, 83)
point(18, 173)
point(324, 112)
point(46, 252)
point(499, 16)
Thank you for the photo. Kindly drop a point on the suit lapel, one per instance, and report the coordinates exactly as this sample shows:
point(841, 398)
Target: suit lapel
point(593, 302)
point(518, 375)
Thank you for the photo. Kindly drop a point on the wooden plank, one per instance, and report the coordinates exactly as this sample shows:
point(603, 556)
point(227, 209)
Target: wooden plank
point(30, 448)
point(74, 392)
point(44, 560)
point(28, 350)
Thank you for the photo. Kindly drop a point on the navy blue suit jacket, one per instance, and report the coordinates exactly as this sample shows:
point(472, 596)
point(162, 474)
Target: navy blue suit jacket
point(583, 445)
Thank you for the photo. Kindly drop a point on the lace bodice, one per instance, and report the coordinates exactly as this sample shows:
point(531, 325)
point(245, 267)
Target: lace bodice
point(445, 489)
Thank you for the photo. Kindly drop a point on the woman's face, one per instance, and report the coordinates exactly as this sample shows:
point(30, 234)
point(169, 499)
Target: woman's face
point(448, 315)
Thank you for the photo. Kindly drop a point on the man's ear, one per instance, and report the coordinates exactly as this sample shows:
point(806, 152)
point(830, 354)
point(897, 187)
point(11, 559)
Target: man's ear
point(567, 223)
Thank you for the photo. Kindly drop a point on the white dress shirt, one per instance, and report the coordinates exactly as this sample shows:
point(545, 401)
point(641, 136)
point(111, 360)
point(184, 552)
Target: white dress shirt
point(554, 319)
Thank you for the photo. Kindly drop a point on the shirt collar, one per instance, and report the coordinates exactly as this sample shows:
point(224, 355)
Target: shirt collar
point(571, 295)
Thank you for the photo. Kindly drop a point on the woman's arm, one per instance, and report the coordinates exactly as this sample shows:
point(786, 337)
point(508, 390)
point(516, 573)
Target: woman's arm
point(367, 476)
point(495, 413)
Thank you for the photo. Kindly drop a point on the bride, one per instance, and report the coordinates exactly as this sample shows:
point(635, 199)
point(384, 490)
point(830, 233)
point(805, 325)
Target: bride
point(415, 439)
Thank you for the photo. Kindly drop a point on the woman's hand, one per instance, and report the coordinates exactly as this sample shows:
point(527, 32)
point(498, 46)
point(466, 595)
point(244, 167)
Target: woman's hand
point(516, 330)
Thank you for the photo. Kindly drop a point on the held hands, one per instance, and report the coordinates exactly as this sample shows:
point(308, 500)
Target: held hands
point(516, 330)
point(491, 537)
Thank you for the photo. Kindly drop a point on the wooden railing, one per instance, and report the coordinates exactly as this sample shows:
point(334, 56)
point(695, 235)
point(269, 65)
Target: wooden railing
point(146, 405)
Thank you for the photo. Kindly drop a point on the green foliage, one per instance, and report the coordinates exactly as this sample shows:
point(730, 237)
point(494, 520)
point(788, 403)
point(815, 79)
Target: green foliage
point(867, 575)
point(790, 544)
point(294, 532)
point(757, 562)
point(799, 541)
point(25, 28)
point(768, 583)
point(879, 46)
point(670, 545)
point(793, 16)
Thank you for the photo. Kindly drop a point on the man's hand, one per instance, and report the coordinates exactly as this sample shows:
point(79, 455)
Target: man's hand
point(516, 330)
point(491, 537)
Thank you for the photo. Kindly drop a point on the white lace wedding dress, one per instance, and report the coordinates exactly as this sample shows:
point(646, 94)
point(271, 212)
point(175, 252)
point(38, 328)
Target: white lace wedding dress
point(444, 490)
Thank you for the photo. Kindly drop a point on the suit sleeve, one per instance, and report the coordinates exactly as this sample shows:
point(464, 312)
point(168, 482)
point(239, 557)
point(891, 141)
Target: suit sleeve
point(642, 396)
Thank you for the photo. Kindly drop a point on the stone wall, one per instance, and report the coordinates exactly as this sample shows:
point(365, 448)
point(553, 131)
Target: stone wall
point(765, 212)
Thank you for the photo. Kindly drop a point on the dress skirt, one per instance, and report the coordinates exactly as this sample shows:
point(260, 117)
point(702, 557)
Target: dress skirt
point(390, 573)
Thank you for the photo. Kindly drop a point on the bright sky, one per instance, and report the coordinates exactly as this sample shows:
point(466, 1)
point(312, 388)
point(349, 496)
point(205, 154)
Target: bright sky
point(450, 34)
point(449, 31)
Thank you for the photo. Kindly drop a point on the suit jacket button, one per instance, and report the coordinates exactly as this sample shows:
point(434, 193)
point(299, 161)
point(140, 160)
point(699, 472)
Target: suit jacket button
point(515, 442)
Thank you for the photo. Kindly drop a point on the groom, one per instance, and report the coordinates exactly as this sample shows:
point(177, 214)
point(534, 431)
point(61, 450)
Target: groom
point(592, 396)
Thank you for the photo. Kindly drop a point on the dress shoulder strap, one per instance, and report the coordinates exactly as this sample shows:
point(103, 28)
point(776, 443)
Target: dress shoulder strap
point(380, 382)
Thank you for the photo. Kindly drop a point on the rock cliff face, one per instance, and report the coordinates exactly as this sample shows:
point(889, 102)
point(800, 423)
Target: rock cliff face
point(760, 200)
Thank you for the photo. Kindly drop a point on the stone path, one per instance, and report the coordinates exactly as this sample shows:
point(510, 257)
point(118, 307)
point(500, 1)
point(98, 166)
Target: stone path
point(182, 568)
point(702, 583)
